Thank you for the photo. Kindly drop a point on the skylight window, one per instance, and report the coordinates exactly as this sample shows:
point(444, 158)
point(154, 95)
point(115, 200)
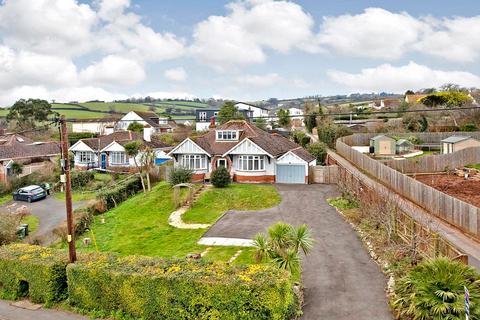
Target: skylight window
point(227, 135)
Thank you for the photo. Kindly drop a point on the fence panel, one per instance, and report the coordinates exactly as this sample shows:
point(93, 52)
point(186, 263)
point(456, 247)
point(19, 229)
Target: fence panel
point(459, 213)
point(324, 174)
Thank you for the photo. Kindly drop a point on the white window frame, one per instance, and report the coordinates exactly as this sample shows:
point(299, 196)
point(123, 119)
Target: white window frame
point(86, 157)
point(251, 163)
point(118, 158)
point(202, 116)
point(194, 161)
point(227, 135)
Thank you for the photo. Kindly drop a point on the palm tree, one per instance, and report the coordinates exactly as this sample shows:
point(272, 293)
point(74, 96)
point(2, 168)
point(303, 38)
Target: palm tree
point(148, 162)
point(132, 149)
point(434, 290)
point(283, 244)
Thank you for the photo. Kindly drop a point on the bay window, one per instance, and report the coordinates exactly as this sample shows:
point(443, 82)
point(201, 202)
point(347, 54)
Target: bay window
point(118, 157)
point(251, 163)
point(85, 156)
point(194, 161)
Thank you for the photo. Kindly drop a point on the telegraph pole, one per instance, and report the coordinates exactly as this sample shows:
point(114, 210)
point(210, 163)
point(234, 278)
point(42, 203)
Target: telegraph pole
point(72, 254)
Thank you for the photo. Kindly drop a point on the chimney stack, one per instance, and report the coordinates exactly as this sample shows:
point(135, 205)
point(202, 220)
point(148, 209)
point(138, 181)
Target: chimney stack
point(212, 123)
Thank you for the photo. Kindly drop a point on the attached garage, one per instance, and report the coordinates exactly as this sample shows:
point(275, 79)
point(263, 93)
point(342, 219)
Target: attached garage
point(290, 173)
point(292, 167)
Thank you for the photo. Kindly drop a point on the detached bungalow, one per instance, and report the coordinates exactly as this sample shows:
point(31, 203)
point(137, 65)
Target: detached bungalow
point(150, 120)
point(108, 152)
point(33, 156)
point(457, 143)
point(249, 154)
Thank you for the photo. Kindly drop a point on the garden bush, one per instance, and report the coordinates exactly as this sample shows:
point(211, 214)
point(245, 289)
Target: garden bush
point(179, 175)
point(435, 290)
point(33, 271)
point(220, 177)
point(115, 196)
point(151, 288)
point(83, 218)
point(319, 151)
point(81, 178)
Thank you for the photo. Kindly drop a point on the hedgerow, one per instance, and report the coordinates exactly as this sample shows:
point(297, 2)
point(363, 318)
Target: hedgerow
point(81, 178)
point(116, 195)
point(151, 288)
point(33, 271)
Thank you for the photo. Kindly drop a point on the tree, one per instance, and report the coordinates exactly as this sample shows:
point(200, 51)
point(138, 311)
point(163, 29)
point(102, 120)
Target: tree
point(17, 168)
point(220, 177)
point(319, 151)
point(311, 121)
point(469, 127)
point(283, 244)
point(283, 118)
point(135, 126)
point(132, 149)
point(409, 92)
point(229, 112)
point(435, 290)
point(301, 138)
point(148, 162)
point(261, 123)
point(28, 113)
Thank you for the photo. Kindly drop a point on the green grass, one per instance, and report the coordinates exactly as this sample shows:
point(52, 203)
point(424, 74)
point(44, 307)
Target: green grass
point(473, 166)
point(5, 198)
point(79, 114)
point(140, 224)
point(117, 106)
point(342, 203)
point(32, 221)
point(76, 196)
point(214, 202)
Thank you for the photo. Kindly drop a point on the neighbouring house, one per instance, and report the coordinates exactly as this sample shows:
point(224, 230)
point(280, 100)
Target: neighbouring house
point(249, 154)
point(100, 126)
point(414, 98)
point(151, 121)
point(203, 117)
point(296, 117)
point(108, 152)
point(357, 127)
point(384, 103)
point(257, 111)
point(33, 156)
point(404, 146)
point(382, 145)
point(457, 143)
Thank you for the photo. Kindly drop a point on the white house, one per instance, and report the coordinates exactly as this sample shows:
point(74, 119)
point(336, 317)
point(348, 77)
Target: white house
point(296, 117)
point(108, 152)
point(147, 118)
point(249, 154)
point(96, 126)
point(257, 111)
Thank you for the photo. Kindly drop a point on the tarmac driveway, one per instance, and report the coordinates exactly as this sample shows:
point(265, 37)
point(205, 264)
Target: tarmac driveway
point(341, 280)
point(50, 211)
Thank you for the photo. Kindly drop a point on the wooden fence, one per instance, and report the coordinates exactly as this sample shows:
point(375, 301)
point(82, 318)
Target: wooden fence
point(417, 236)
point(436, 163)
point(323, 174)
point(363, 139)
point(457, 212)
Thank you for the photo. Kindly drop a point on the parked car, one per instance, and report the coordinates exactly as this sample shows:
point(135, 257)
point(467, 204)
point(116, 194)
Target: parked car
point(30, 193)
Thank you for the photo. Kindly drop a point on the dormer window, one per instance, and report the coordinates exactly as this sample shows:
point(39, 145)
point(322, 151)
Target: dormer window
point(227, 135)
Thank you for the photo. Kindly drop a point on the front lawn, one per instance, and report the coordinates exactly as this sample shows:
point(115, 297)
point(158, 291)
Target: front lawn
point(214, 202)
point(76, 196)
point(140, 225)
point(32, 221)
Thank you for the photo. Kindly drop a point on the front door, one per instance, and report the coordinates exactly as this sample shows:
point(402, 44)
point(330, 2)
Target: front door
point(103, 161)
point(221, 163)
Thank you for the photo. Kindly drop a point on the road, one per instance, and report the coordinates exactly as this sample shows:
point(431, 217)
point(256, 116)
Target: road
point(9, 312)
point(342, 281)
point(50, 211)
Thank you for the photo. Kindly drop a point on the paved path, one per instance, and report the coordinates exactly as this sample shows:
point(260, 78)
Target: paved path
point(9, 312)
point(342, 281)
point(444, 229)
point(50, 211)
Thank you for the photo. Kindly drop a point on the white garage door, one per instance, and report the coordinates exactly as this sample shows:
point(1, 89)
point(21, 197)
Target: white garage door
point(290, 173)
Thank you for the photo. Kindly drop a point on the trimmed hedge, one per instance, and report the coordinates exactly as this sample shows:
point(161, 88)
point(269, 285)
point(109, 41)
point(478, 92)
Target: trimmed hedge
point(151, 288)
point(33, 271)
point(114, 196)
point(81, 178)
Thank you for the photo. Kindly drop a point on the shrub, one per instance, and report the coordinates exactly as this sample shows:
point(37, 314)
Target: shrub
point(83, 218)
point(113, 197)
point(220, 177)
point(8, 227)
point(468, 127)
point(301, 138)
point(151, 288)
point(81, 178)
point(179, 175)
point(319, 151)
point(435, 290)
point(135, 127)
point(33, 271)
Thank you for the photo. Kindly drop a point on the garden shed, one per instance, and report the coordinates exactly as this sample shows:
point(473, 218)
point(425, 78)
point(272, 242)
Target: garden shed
point(382, 145)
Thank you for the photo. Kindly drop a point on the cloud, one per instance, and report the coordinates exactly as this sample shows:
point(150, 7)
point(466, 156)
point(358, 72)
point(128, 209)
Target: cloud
point(241, 37)
point(176, 74)
point(266, 80)
point(375, 33)
point(113, 70)
point(387, 77)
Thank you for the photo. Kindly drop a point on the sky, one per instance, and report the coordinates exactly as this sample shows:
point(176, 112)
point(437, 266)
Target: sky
point(78, 50)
